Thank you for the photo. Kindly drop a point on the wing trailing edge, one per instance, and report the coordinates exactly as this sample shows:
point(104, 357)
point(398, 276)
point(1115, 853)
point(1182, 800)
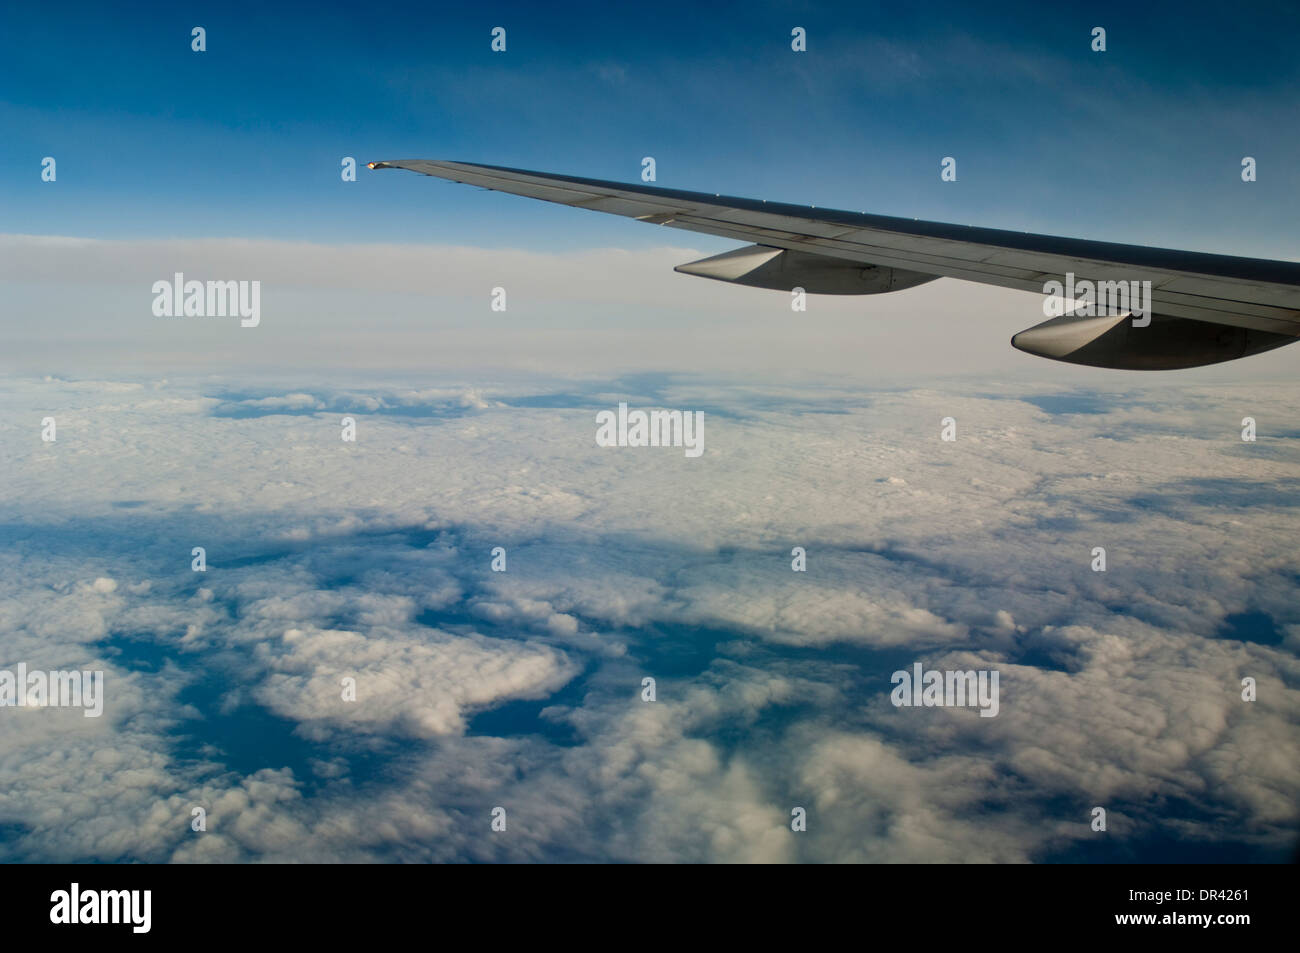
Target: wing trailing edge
point(829, 251)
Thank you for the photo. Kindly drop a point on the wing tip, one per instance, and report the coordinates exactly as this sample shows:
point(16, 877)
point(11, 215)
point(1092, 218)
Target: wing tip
point(442, 168)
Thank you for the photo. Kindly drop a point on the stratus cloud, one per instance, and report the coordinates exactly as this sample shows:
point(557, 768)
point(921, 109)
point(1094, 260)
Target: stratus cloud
point(414, 306)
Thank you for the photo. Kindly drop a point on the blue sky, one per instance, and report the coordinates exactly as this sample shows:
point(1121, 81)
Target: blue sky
point(1141, 143)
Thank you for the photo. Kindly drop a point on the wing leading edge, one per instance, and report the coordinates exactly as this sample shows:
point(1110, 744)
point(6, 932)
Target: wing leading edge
point(1254, 302)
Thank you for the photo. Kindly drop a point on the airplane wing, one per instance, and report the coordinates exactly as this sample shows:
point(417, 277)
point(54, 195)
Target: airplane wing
point(1202, 308)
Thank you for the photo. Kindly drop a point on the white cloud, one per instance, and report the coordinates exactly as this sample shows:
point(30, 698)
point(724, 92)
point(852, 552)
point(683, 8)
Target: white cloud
point(373, 561)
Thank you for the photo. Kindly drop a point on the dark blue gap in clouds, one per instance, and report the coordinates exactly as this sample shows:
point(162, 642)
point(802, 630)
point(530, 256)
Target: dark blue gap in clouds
point(452, 409)
point(249, 736)
point(675, 650)
point(640, 391)
point(256, 559)
point(1252, 626)
point(1211, 492)
point(422, 413)
point(1163, 848)
point(1042, 651)
point(609, 400)
point(1151, 835)
point(452, 620)
point(1077, 403)
point(959, 577)
point(555, 402)
point(1058, 524)
point(232, 406)
point(1082, 402)
point(522, 717)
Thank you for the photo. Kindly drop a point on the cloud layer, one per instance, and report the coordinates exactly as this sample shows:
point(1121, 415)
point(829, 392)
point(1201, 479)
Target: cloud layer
point(522, 689)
